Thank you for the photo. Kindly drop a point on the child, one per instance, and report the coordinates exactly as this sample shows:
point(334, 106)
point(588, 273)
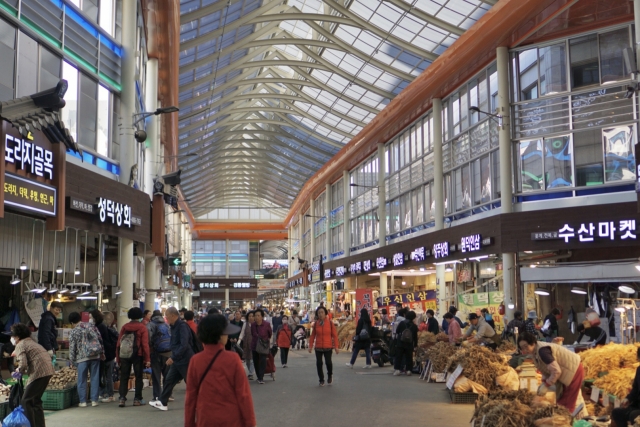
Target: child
point(301, 337)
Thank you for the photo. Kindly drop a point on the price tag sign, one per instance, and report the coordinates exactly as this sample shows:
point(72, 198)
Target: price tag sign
point(616, 403)
point(595, 394)
point(453, 377)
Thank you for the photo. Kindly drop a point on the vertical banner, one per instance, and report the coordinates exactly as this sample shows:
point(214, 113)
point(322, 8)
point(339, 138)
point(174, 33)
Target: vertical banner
point(364, 299)
point(473, 303)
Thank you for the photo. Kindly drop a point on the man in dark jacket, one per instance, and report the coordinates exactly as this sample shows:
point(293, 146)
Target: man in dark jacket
point(109, 342)
point(630, 407)
point(181, 354)
point(432, 323)
point(404, 349)
point(159, 355)
point(47, 331)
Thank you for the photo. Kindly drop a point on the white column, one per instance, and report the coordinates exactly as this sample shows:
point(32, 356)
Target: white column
point(312, 212)
point(506, 188)
point(152, 160)
point(125, 299)
point(290, 251)
point(150, 282)
point(383, 285)
point(382, 199)
point(438, 195)
point(226, 298)
point(441, 286)
point(327, 215)
point(128, 94)
point(347, 214)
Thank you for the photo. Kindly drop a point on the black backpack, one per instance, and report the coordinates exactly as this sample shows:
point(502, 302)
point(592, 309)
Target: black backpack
point(406, 337)
point(196, 345)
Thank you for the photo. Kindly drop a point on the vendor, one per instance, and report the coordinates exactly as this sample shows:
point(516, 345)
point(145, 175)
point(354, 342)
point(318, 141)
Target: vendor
point(630, 406)
point(445, 323)
point(557, 365)
point(595, 333)
point(484, 332)
point(455, 333)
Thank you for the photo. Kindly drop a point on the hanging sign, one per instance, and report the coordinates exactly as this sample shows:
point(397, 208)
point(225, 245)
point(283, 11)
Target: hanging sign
point(381, 262)
point(114, 212)
point(28, 195)
point(341, 271)
point(588, 232)
point(398, 259)
point(356, 268)
point(367, 265)
point(419, 254)
point(28, 156)
point(328, 273)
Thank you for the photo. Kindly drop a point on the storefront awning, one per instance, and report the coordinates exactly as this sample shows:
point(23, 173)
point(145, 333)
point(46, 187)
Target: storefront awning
point(618, 272)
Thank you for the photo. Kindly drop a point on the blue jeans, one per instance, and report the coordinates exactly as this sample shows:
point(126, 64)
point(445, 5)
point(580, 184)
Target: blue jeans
point(107, 390)
point(366, 346)
point(84, 368)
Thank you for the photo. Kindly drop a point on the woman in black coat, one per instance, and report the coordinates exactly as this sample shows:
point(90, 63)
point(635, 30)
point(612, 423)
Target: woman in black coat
point(404, 349)
point(362, 339)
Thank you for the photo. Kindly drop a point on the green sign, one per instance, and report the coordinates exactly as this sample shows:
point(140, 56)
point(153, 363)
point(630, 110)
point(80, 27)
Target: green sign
point(177, 261)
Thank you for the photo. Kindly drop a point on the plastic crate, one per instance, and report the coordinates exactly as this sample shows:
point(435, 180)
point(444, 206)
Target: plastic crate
point(57, 400)
point(463, 397)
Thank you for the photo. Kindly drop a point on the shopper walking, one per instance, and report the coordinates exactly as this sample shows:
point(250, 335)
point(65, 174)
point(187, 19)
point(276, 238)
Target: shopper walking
point(32, 360)
point(47, 331)
point(160, 348)
point(146, 317)
point(245, 343)
point(132, 351)
point(362, 339)
point(86, 350)
point(260, 331)
point(406, 342)
point(181, 353)
point(283, 339)
point(276, 322)
point(324, 338)
point(233, 339)
point(109, 340)
point(214, 373)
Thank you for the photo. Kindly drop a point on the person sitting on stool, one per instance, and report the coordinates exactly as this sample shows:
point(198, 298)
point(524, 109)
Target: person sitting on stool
point(630, 407)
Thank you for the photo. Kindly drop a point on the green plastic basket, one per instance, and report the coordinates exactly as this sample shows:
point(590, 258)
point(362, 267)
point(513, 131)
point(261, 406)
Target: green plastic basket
point(57, 400)
point(463, 397)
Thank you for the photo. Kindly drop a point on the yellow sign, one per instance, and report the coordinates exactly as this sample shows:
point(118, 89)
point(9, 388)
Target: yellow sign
point(29, 195)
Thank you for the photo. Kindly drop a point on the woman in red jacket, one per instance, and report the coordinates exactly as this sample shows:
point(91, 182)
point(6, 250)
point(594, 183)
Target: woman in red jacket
point(283, 338)
point(215, 372)
point(325, 338)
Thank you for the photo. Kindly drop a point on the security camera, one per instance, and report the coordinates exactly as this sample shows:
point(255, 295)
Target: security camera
point(158, 187)
point(172, 178)
point(140, 136)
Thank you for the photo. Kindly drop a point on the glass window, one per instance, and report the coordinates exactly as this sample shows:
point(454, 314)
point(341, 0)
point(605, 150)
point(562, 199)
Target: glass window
point(553, 69)
point(483, 100)
point(406, 214)
point(619, 153)
point(417, 197)
point(473, 102)
point(530, 153)
point(49, 70)
point(8, 63)
point(611, 60)
point(584, 61)
point(495, 164)
point(429, 203)
point(419, 140)
point(493, 86)
point(482, 180)
point(588, 149)
point(557, 162)
point(106, 16)
point(104, 113)
point(447, 194)
point(70, 111)
point(90, 9)
point(463, 188)
point(27, 66)
point(528, 64)
point(87, 120)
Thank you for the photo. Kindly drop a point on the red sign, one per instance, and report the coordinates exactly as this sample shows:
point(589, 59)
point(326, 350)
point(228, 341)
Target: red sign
point(364, 299)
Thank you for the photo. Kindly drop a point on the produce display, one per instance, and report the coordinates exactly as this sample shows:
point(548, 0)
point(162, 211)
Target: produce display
point(442, 337)
point(519, 408)
point(617, 382)
point(607, 357)
point(503, 413)
point(346, 332)
point(480, 364)
point(439, 355)
point(425, 337)
point(5, 390)
point(63, 379)
point(551, 416)
point(507, 347)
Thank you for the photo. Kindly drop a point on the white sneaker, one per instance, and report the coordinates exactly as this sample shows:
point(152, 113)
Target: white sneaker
point(350, 365)
point(171, 399)
point(396, 373)
point(408, 373)
point(94, 404)
point(158, 405)
point(366, 367)
point(82, 405)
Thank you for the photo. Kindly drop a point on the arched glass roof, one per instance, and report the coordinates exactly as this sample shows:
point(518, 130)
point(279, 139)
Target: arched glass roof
point(270, 90)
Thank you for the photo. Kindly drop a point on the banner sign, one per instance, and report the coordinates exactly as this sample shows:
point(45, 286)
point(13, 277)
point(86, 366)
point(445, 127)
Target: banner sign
point(29, 195)
point(473, 303)
point(364, 299)
point(411, 297)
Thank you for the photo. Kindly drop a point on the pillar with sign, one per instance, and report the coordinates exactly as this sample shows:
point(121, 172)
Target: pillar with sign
point(226, 298)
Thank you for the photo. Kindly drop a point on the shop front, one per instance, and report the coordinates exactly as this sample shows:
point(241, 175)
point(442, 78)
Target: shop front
point(221, 293)
point(298, 292)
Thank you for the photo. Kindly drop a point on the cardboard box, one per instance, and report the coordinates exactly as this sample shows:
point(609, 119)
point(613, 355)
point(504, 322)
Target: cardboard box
point(63, 334)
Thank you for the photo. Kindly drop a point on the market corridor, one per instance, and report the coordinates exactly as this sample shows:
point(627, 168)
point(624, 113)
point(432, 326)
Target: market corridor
point(372, 397)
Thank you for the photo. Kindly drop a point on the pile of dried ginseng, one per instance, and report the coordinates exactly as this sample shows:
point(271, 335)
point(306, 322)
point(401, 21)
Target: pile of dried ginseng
point(506, 347)
point(439, 354)
point(502, 413)
point(617, 382)
point(346, 332)
point(442, 337)
point(425, 337)
point(480, 365)
point(63, 379)
point(551, 416)
point(523, 396)
point(607, 357)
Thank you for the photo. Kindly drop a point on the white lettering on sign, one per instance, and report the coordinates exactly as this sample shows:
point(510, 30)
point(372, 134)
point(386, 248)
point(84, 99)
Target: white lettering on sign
point(418, 254)
point(341, 271)
point(398, 259)
point(327, 273)
point(441, 250)
point(366, 265)
point(115, 212)
point(587, 232)
point(470, 243)
point(381, 262)
point(209, 285)
point(356, 267)
point(242, 285)
point(28, 157)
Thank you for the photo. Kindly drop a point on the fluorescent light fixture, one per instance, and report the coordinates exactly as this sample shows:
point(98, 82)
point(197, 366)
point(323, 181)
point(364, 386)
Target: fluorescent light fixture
point(448, 269)
point(15, 280)
point(85, 293)
point(63, 290)
point(626, 289)
point(74, 291)
point(478, 258)
point(218, 302)
point(421, 268)
point(579, 290)
point(76, 271)
point(59, 269)
point(532, 266)
point(23, 265)
point(511, 306)
point(541, 291)
point(86, 297)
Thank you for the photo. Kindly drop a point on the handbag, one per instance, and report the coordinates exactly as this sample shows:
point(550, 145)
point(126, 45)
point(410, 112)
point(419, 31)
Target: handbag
point(262, 347)
point(239, 351)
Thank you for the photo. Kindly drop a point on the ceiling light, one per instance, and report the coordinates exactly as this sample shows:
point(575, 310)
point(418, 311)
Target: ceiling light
point(85, 293)
point(59, 269)
point(76, 271)
point(52, 290)
point(448, 269)
point(404, 283)
point(218, 302)
point(421, 268)
point(541, 291)
point(63, 290)
point(23, 265)
point(74, 291)
point(15, 280)
point(511, 305)
point(87, 297)
point(579, 290)
point(118, 291)
point(532, 266)
point(626, 289)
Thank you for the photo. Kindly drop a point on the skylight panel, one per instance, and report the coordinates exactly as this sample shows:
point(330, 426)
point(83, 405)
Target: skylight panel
point(360, 8)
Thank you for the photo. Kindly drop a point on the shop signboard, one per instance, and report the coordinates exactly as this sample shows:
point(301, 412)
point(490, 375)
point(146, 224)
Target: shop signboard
point(441, 250)
point(328, 273)
point(381, 262)
point(367, 265)
point(419, 301)
point(356, 268)
point(398, 259)
point(215, 284)
point(587, 232)
point(341, 271)
point(473, 303)
point(28, 195)
point(364, 299)
point(419, 254)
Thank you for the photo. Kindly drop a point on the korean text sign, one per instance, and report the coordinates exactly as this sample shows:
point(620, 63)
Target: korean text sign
point(364, 299)
point(473, 303)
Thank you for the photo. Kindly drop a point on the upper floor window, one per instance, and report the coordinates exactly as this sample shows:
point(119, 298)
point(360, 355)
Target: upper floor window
point(101, 12)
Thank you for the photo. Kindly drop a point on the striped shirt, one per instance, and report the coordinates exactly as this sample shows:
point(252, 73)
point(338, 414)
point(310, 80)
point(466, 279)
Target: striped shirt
point(33, 360)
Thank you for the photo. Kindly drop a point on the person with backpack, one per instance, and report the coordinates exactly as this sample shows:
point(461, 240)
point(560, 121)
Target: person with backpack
point(109, 340)
point(188, 318)
point(132, 351)
point(362, 339)
point(160, 347)
point(283, 339)
point(32, 360)
point(406, 342)
point(86, 350)
point(324, 338)
point(183, 347)
point(218, 392)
